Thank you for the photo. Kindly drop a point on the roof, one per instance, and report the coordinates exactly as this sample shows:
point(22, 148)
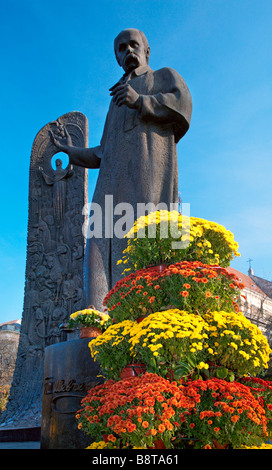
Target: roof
point(11, 322)
point(247, 281)
point(263, 284)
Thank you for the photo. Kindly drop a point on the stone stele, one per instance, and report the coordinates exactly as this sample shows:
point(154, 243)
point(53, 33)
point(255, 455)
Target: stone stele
point(54, 265)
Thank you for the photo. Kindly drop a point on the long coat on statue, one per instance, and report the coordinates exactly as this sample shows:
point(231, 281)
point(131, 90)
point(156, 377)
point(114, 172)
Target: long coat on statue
point(138, 165)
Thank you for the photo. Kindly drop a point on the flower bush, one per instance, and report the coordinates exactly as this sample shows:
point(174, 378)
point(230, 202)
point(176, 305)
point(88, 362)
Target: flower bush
point(136, 295)
point(262, 390)
point(170, 343)
point(150, 241)
point(176, 343)
point(89, 317)
point(197, 287)
point(191, 286)
point(236, 343)
point(223, 414)
point(136, 412)
point(112, 349)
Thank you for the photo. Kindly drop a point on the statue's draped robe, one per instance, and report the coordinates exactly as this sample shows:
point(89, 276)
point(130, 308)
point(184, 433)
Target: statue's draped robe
point(138, 165)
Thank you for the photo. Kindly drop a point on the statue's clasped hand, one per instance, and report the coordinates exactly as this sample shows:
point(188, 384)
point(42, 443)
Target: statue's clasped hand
point(124, 94)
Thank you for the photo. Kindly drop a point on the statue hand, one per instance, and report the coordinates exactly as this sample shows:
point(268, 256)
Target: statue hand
point(62, 140)
point(124, 94)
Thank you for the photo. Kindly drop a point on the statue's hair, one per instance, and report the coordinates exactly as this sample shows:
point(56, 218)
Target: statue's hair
point(145, 41)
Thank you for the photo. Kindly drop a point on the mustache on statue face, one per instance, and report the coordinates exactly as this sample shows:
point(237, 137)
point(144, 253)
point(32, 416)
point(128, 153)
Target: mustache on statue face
point(131, 57)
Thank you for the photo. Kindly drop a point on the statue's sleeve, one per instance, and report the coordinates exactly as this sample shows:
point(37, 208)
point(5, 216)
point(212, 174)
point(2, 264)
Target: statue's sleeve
point(85, 157)
point(173, 104)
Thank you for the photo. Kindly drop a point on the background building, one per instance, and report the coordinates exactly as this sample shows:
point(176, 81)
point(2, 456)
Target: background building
point(9, 340)
point(256, 300)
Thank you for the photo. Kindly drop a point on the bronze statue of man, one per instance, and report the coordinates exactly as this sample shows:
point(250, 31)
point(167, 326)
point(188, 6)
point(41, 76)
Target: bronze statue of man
point(149, 113)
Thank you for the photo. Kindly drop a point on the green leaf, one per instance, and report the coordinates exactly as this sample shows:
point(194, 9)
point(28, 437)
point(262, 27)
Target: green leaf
point(269, 425)
point(231, 376)
point(222, 372)
point(181, 365)
point(197, 376)
point(180, 370)
point(153, 365)
point(191, 362)
point(257, 441)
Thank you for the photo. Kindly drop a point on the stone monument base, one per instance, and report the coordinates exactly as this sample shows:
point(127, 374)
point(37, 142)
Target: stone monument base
point(20, 434)
point(69, 372)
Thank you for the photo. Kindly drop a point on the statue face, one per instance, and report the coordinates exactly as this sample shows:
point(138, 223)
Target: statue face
point(130, 50)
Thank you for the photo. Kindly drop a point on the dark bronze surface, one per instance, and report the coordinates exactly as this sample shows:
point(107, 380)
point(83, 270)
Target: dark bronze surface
point(69, 372)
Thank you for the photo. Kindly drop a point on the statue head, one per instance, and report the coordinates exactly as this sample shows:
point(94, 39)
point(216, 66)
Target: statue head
point(131, 49)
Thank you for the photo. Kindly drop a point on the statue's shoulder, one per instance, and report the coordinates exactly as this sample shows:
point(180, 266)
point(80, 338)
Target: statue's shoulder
point(167, 70)
point(167, 73)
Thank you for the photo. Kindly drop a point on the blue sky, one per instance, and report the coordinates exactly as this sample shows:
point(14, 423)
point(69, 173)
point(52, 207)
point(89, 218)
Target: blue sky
point(58, 57)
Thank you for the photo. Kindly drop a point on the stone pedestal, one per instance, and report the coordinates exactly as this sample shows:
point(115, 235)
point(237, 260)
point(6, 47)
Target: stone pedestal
point(69, 372)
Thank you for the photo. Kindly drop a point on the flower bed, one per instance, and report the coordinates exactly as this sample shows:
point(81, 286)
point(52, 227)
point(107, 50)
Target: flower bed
point(191, 286)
